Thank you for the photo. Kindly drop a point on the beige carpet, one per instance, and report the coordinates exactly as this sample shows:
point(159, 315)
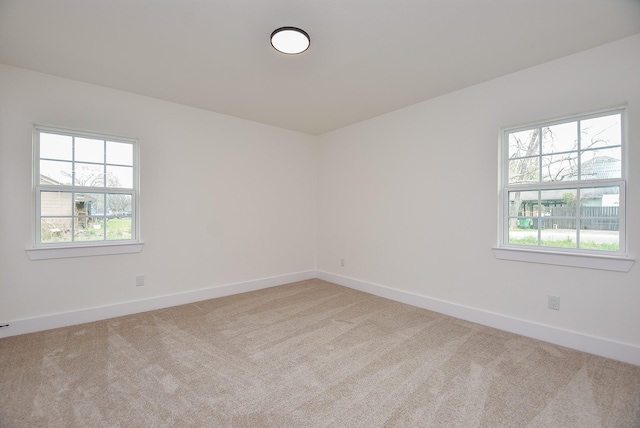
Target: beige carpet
point(309, 354)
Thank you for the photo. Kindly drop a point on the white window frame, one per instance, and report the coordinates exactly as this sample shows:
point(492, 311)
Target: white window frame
point(45, 250)
point(576, 257)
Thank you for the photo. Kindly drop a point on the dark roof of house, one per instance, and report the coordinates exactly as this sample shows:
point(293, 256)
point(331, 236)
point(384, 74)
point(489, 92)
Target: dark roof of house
point(601, 167)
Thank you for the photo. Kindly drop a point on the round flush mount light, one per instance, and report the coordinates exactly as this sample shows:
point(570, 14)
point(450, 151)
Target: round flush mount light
point(290, 40)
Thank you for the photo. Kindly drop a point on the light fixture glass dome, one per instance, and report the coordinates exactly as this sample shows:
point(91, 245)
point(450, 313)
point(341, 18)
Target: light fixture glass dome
point(290, 40)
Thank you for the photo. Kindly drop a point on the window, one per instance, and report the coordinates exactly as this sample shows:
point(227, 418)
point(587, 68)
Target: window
point(563, 185)
point(86, 190)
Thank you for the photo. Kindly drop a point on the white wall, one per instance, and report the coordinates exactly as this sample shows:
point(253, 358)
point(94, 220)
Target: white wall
point(223, 200)
point(409, 199)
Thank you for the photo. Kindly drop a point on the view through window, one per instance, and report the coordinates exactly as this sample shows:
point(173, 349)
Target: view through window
point(564, 184)
point(86, 188)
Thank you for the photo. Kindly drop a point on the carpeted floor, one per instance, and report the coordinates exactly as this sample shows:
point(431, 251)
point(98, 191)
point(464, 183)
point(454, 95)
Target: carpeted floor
point(308, 354)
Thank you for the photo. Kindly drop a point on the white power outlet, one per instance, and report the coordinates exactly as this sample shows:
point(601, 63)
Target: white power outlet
point(139, 280)
point(342, 262)
point(554, 302)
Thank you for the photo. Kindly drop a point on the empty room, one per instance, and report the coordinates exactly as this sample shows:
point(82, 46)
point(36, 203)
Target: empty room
point(293, 213)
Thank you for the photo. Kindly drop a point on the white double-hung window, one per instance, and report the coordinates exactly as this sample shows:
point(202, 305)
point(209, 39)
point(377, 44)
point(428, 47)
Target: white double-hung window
point(86, 191)
point(563, 186)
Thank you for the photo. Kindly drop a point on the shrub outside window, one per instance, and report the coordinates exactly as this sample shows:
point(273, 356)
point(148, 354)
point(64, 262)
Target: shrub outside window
point(86, 188)
point(563, 185)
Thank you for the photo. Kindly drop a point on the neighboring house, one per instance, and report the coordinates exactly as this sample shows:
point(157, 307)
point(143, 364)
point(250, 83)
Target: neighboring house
point(601, 167)
point(554, 203)
point(598, 167)
point(57, 211)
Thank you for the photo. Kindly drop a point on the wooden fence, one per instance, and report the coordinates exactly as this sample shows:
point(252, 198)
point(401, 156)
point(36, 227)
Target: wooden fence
point(594, 218)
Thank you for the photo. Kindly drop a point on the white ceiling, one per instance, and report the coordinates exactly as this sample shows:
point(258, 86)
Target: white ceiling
point(367, 57)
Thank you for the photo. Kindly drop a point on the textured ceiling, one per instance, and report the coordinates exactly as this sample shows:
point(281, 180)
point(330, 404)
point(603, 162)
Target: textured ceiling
point(366, 57)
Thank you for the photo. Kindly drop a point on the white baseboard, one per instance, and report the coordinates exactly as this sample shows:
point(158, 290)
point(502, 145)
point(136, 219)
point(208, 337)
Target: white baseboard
point(593, 345)
point(48, 322)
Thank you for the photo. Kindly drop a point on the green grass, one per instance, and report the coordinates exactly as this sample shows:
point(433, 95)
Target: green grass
point(566, 243)
point(117, 229)
point(595, 246)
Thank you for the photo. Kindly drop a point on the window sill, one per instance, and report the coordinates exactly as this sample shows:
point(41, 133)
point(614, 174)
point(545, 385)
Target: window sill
point(590, 261)
point(83, 251)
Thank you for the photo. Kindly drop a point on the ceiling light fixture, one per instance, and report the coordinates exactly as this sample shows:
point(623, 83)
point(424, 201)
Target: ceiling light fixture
point(290, 40)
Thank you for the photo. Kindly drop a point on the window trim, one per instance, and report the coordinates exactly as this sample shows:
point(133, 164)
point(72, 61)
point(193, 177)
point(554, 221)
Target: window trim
point(584, 258)
point(42, 251)
point(84, 251)
point(589, 261)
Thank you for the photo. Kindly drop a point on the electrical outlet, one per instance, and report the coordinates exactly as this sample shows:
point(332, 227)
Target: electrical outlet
point(342, 262)
point(139, 280)
point(554, 302)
